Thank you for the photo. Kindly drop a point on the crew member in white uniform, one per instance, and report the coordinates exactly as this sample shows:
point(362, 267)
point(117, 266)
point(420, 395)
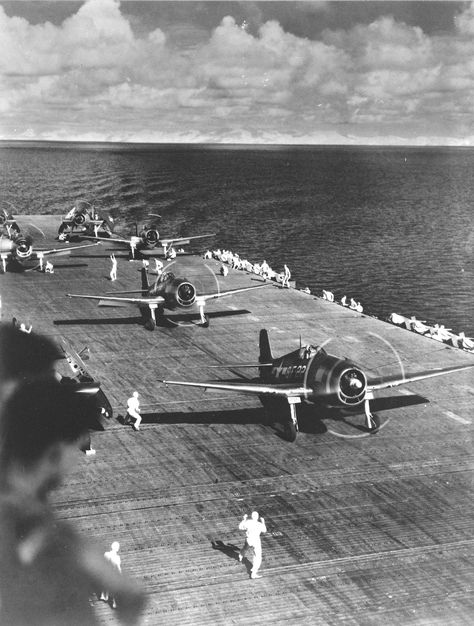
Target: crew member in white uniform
point(133, 411)
point(113, 557)
point(253, 529)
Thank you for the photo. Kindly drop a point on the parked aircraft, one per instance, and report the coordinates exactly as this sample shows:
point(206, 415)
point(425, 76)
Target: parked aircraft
point(18, 249)
point(83, 220)
point(309, 374)
point(82, 381)
point(148, 241)
point(167, 292)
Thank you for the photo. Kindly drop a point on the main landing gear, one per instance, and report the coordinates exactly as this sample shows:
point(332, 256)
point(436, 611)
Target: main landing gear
point(276, 412)
point(204, 317)
point(372, 419)
point(150, 324)
point(291, 425)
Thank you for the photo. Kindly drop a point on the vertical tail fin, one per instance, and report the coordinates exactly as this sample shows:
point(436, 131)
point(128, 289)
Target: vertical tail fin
point(145, 283)
point(265, 349)
point(265, 355)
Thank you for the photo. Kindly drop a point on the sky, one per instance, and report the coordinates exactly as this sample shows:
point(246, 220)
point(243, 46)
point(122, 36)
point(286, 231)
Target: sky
point(373, 73)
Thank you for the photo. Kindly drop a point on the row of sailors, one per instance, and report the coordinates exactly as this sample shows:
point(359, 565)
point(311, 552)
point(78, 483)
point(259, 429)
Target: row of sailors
point(261, 269)
point(437, 332)
point(356, 306)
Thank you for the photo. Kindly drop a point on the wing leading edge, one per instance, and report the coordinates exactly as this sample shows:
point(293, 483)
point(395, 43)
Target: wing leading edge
point(118, 299)
point(384, 382)
point(283, 390)
point(222, 294)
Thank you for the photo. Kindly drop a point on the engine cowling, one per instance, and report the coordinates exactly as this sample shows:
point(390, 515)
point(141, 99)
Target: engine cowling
point(337, 382)
point(23, 248)
point(79, 219)
point(186, 294)
point(176, 291)
point(152, 237)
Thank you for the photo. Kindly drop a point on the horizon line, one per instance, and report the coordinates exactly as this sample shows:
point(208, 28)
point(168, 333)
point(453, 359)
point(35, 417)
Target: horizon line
point(89, 142)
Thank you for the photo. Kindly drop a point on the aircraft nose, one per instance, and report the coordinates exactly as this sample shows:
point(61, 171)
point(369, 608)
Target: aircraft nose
point(186, 294)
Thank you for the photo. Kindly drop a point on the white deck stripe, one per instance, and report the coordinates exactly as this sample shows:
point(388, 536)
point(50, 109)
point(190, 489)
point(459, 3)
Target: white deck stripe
point(457, 417)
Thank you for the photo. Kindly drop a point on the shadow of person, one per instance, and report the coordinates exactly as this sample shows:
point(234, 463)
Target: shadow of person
point(233, 551)
point(229, 549)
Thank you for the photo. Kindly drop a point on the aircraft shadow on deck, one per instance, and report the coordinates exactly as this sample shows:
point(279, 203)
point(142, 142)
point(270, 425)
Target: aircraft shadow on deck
point(377, 406)
point(166, 321)
point(310, 418)
point(255, 416)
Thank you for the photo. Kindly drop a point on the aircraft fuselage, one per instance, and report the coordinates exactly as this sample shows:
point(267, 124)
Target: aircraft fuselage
point(327, 379)
point(82, 221)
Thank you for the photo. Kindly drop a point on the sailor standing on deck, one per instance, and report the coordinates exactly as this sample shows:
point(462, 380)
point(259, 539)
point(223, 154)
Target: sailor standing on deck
point(112, 557)
point(253, 529)
point(133, 411)
point(287, 276)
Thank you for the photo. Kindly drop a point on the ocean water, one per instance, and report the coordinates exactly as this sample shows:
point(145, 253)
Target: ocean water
point(391, 227)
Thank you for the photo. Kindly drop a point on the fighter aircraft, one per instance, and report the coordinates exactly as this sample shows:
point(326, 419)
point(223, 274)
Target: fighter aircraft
point(148, 240)
point(18, 249)
point(167, 292)
point(84, 220)
point(309, 374)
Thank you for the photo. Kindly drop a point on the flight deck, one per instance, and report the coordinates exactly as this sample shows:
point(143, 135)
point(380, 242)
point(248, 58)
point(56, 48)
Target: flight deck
point(362, 528)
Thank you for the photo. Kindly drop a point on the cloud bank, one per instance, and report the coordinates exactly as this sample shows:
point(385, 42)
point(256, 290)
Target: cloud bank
point(93, 77)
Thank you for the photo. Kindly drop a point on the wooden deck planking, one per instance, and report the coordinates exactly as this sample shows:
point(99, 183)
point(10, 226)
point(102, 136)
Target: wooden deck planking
point(362, 529)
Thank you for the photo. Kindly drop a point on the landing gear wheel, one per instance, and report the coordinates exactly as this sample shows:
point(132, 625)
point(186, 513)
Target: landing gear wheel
point(205, 323)
point(376, 421)
point(150, 324)
point(290, 431)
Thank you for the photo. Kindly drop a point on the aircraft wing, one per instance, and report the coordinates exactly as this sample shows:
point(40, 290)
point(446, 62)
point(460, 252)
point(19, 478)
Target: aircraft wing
point(182, 240)
point(222, 294)
point(118, 299)
point(107, 239)
point(60, 251)
point(282, 390)
point(383, 382)
point(70, 215)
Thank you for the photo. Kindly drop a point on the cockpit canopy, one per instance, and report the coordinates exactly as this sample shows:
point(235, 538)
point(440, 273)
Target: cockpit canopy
point(309, 351)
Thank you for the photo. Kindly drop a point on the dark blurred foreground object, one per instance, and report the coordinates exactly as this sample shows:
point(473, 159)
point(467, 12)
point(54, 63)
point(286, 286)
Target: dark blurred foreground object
point(47, 571)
